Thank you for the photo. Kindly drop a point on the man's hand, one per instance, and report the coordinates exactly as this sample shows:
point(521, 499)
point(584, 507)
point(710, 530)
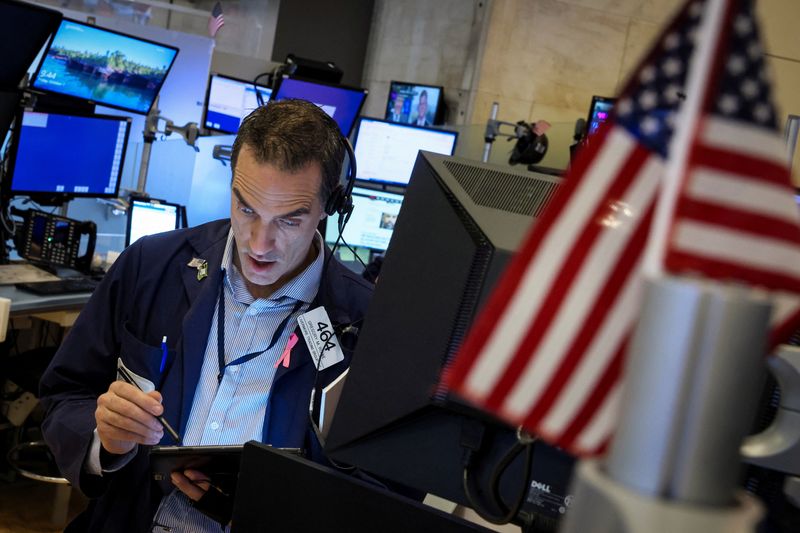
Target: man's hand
point(126, 417)
point(192, 483)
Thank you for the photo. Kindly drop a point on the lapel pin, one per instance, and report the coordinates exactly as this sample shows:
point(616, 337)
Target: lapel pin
point(201, 265)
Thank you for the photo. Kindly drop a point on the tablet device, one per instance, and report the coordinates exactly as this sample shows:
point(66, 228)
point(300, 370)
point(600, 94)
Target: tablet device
point(219, 463)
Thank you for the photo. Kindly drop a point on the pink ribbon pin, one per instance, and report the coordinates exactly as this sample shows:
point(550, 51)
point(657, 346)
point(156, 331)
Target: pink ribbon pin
point(286, 356)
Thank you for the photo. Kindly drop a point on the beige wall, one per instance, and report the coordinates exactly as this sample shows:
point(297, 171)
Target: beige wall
point(544, 59)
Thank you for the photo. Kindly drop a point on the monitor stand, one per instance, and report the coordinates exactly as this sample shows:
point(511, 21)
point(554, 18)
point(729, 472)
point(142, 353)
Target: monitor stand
point(280, 492)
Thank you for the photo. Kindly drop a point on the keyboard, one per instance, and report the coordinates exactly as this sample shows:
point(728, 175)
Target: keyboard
point(61, 286)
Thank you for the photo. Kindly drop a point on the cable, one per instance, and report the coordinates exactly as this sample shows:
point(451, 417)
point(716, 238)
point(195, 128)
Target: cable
point(522, 444)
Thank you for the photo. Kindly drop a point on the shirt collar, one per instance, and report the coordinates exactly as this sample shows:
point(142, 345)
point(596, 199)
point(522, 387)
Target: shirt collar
point(302, 287)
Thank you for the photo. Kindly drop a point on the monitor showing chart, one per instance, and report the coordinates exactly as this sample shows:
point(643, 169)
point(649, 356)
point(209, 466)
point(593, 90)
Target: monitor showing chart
point(386, 151)
point(372, 221)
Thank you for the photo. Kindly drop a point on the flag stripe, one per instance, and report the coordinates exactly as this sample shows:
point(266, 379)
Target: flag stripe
point(602, 390)
point(753, 167)
point(510, 282)
point(749, 224)
point(736, 137)
point(554, 302)
point(740, 192)
point(762, 260)
point(525, 300)
point(585, 281)
point(594, 439)
point(595, 343)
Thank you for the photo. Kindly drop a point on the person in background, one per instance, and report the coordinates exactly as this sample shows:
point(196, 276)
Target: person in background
point(421, 118)
point(204, 320)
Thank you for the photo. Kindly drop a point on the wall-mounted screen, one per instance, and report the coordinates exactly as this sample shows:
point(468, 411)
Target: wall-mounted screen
point(412, 103)
point(386, 151)
point(75, 155)
point(341, 103)
point(104, 67)
point(229, 100)
point(599, 112)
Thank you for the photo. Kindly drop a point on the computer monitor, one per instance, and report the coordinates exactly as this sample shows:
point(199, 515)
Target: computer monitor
point(68, 155)
point(404, 101)
point(148, 216)
point(373, 219)
point(386, 151)
point(104, 67)
point(341, 103)
point(229, 100)
point(24, 30)
point(599, 112)
point(460, 224)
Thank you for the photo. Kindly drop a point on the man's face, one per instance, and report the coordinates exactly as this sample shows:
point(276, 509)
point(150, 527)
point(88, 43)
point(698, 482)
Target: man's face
point(423, 105)
point(274, 215)
point(398, 105)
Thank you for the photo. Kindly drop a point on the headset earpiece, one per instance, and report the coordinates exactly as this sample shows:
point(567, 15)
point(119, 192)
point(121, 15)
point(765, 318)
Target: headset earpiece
point(341, 199)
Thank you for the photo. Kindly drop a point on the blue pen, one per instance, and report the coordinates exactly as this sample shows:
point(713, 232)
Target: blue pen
point(163, 354)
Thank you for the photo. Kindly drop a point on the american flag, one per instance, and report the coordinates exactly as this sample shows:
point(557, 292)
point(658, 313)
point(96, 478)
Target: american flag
point(548, 350)
point(216, 20)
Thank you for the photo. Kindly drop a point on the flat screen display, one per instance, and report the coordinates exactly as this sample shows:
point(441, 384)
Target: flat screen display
point(411, 103)
point(73, 155)
point(599, 112)
point(341, 103)
point(229, 100)
point(372, 221)
point(148, 217)
point(104, 67)
point(386, 151)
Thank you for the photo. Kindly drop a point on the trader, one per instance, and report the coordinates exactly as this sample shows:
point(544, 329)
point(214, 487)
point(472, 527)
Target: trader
point(204, 321)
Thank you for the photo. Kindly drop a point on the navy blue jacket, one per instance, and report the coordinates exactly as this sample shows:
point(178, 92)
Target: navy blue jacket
point(148, 293)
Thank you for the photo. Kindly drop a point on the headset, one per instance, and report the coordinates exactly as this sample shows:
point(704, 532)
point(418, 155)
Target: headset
point(341, 198)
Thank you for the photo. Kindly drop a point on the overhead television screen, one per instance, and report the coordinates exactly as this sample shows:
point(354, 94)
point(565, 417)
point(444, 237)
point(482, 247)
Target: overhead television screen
point(229, 100)
point(412, 103)
point(104, 67)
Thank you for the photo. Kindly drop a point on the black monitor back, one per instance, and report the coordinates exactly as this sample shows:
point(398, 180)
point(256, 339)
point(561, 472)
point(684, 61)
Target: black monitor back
point(460, 223)
point(24, 30)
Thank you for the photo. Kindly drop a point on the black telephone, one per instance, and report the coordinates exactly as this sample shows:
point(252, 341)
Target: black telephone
point(53, 240)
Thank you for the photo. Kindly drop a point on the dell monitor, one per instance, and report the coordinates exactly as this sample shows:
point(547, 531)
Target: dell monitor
point(404, 104)
point(386, 151)
point(148, 216)
point(372, 221)
point(104, 67)
point(341, 103)
point(67, 155)
point(229, 100)
point(599, 112)
point(460, 224)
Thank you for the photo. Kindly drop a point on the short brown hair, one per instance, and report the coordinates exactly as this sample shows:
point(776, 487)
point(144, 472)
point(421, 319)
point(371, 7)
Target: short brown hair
point(290, 134)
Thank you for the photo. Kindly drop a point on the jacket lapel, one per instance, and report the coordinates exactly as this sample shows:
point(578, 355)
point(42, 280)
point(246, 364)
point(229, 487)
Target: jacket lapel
point(201, 296)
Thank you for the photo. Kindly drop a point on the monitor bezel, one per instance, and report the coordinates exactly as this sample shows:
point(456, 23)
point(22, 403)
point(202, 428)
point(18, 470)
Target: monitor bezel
point(596, 100)
point(32, 85)
point(9, 192)
point(363, 91)
point(403, 125)
point(208, 96)
point(438, 117)
point(147, 199)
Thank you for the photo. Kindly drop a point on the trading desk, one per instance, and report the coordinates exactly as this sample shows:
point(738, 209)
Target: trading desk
point(26, 303)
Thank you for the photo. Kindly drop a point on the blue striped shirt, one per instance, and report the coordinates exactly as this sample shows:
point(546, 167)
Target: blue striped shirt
point(232, 411)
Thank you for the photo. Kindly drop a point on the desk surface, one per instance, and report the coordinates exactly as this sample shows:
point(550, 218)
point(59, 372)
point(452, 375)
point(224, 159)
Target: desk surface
point(24, 302)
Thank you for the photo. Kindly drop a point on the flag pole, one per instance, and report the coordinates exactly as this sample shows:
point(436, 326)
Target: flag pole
point(686, 123)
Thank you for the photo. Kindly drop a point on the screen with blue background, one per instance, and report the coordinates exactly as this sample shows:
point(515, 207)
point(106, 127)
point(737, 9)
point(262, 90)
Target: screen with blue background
point(104, 67)
point(66, 154)
point(229, 101)
point(341, 103)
